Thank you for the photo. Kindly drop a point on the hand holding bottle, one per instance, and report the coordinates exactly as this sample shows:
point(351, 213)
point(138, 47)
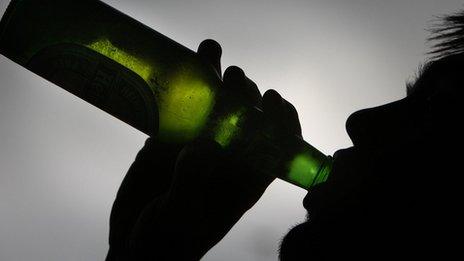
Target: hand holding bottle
point(149, 177)
point(181, 205)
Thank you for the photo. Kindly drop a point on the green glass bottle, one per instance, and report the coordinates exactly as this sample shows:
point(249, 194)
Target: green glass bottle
point(146, 80)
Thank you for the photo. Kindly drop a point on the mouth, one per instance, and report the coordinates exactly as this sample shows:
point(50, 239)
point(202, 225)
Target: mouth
point(347, 163)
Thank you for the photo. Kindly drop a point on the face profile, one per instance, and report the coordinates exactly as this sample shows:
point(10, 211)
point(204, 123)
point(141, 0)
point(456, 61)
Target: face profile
point(394, 193)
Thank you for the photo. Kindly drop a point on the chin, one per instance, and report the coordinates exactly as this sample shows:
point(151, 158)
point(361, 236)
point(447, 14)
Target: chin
point(301, 243)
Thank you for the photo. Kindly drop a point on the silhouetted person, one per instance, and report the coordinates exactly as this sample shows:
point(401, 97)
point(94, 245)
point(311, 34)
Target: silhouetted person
point(397, 193)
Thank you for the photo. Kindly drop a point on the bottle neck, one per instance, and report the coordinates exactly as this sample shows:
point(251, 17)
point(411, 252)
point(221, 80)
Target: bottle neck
point(243, 131)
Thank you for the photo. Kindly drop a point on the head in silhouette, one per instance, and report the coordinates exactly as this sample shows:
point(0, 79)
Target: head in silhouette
point(396, 192)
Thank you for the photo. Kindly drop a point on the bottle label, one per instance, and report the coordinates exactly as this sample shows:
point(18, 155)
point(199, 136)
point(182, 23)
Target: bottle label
point(100, 81)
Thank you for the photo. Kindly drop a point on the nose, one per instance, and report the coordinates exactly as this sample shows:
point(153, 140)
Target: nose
point(379, 126)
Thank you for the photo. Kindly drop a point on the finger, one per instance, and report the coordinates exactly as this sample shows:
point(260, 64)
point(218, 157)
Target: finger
point(254, 92)
point(236, 81)
point(149, 176)
point(195, 163)
point(274, 111)
point(281, 113)
point(293, 123)
point(151, 172)
point(211, 51)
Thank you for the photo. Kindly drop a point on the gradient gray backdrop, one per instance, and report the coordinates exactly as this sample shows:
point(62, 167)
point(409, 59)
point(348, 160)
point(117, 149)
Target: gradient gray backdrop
point(61, 160)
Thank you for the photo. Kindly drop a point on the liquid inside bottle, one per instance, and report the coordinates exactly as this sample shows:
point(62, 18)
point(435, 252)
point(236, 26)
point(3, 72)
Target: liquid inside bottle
point(146, 80)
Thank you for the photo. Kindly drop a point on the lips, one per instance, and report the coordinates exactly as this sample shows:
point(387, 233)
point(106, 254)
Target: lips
point(349, 167)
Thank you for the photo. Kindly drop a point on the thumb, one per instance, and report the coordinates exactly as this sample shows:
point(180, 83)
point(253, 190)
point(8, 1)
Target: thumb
point(211, 51)
point(195, 164)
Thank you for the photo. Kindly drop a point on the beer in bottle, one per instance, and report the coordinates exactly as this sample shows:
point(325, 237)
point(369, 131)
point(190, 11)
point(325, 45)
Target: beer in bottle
point(148, 81)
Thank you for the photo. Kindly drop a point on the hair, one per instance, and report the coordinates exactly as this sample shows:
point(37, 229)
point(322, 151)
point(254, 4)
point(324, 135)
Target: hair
point(447, 50)
point(448, 36)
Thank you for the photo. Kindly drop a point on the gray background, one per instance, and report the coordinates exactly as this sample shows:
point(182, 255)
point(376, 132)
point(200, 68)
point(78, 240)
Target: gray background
point(61, 160)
